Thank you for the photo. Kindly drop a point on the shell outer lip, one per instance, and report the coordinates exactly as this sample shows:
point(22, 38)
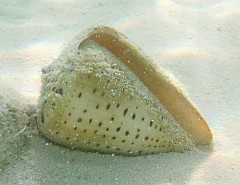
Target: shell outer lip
point(179, 106)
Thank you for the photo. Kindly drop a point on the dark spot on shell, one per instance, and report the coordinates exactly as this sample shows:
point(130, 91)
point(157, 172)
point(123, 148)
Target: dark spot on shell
point(108, 106)
point(118, 129)
point(107, 129)
point(108, 146)
point(127, 133)
point(67, 138)
point(69, 113)
point(95, 131)
point(133, 116)
point(125, 112)
point(114, 137)
point(112, 118)
point(85, 111)
point(59, 91)
point(65, 122)
point(75, 128)
point(142, 119)
point(100, 124)
point(94, 90)
point(118, 105)
point(123, 141)
point(137, 136)
point(84, 130)
point(79, 120)
point(90, 121)
point(138, 130)
point(79, 95)
point(97, 106)
point(57, 132)
point(151, 122)
point(146, 138)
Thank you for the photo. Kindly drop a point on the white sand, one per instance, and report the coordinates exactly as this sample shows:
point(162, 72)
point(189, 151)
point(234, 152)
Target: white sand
point(197, 41)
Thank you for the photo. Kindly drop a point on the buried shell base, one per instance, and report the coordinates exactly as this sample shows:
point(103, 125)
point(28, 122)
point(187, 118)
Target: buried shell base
point(91, 101)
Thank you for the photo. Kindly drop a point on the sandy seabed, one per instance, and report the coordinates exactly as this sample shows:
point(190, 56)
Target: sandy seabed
point(196, 41)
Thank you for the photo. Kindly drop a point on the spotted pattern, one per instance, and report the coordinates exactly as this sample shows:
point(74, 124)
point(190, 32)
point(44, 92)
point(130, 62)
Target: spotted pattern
point(82, 110)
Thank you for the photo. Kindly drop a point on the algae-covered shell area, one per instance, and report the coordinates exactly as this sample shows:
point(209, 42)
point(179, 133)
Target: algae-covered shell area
point(80, 72)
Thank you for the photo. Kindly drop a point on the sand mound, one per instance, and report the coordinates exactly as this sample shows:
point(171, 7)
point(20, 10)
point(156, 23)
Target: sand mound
point(16, 117)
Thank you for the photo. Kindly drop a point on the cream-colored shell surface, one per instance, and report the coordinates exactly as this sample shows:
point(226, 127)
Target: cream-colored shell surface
point(91, 101)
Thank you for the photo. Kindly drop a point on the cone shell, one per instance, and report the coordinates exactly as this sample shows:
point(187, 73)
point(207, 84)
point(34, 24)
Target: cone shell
point(102, 94)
